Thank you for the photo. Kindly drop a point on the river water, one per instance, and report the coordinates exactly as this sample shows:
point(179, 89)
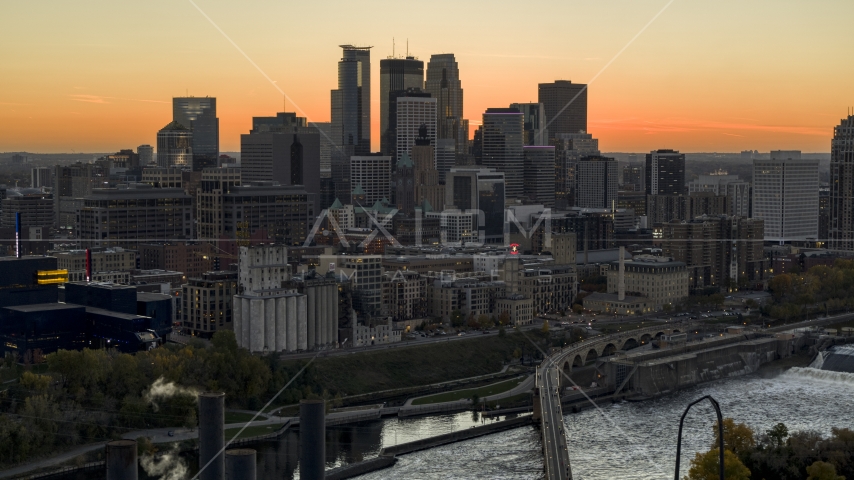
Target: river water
point(637, 441)
point(631, 441)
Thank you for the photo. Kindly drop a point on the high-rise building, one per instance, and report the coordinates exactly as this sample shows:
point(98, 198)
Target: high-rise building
point(785, 195)
point(502, 147)
point(41, 177)
point(70, 184)
point(479, 190)
point(731, 186)
point(426, 177)
point(413, 113)
point(175, 146)
point(207, 303)
point(216, 182)
point(34, 204)
point(569, 149)
point(633, 178)
point(133, 214)
point(324, 130)
point(720, 251)
point(199, 115)
point(665, 172)
point(534, 115)
point(351, 102)
point(146, 154)
point(841, 227)
point(443, 83)
point(596, 182)
point(266, 212)
point(390, 135)
point(282, 149)
point(373, 174)
point(539, 174)
point(566, 106)
point(396, 74)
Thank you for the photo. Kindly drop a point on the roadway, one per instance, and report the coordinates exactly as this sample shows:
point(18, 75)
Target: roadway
point(555, 451)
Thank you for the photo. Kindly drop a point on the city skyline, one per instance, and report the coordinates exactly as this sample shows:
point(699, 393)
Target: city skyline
point(727, 85)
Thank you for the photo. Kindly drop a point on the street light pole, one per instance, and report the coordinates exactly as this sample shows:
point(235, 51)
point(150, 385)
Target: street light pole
point(720, 434)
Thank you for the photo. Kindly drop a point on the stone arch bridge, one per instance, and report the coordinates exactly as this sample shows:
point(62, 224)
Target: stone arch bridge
point(579, 354)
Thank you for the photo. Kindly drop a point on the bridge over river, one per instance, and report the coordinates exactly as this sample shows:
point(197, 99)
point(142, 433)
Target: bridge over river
point(553, 375)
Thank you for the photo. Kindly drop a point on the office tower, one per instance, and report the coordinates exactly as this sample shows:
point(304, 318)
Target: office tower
point(265, 212)
point(190, 258)
point(207, 303)
point(447, 156)
point(443, 83)
point(665, 172)
point(175, 146)
point(324, 130)
point(566, 106)
point(373, 174)
point(70, 184)
point(351, 102)
point(199, 115)
point(426, 177)
point(720, 251)
point(502, 147)
point(34, 204)
point(413, 113)
point(823, 215)
point(569, 149)
point(731, 186)
point(404, 184)
point(396, 74)
point(479, 190)
point(146, 154)
point(124, 159)
point(133, 214)
point(215, 183)
point(841, 228)
point(596, 179)
point(41, 177)
point(539, 174)
point(409, 109)
point(282, 149)
point(785, 195)
point(534, 115)
point(633, 178)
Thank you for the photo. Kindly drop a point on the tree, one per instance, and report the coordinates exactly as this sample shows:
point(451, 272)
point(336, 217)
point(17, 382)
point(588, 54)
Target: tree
point(738, 437)
point(577, 308)
point(504, 318)
point(475, 399)
point(706, 466)
point(483, 321)
point(667, 308)
point(457, 319)
point(517, 353)
point(545, 328)
point(777, 434)
point(823, 471)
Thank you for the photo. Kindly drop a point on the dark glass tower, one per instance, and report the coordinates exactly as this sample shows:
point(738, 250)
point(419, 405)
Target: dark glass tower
point(351, 102)
point(396, 74)
point(199, 115)
point(566, 106)
point(502, 139)
point(665, 173)
point(841, 228)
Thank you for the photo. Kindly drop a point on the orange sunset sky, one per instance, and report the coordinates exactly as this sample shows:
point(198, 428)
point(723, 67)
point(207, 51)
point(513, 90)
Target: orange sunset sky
point(98, 75)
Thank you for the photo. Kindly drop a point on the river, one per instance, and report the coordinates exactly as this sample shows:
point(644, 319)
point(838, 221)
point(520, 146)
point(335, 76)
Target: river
point(631, 441)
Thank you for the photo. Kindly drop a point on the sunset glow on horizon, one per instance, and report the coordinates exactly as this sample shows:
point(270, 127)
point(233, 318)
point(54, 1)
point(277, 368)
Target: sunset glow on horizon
point(99, 76)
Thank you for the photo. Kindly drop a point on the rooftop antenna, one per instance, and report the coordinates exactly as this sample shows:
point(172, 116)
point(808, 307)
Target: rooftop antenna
point(392, 47)
point(407, 47)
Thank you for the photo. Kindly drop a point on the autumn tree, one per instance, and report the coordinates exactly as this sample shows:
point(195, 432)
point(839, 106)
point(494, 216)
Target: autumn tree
point(823, 471)
point(706, 466)
point(738, 437)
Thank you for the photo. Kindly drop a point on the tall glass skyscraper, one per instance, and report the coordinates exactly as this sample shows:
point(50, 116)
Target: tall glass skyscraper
point(443, 83)
point(351, 102)
point(841, 230)
point(502, 147)
point(396, 74)
point(566, 106)
point(199, 115)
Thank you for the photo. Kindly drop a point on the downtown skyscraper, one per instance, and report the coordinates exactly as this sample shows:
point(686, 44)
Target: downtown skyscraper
point(841, 229)
point(396, 75)
point(503, 135)
point(199, 115)
point(566, 106)
point(351, 102)
point(443, 83)
point(665, 172)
